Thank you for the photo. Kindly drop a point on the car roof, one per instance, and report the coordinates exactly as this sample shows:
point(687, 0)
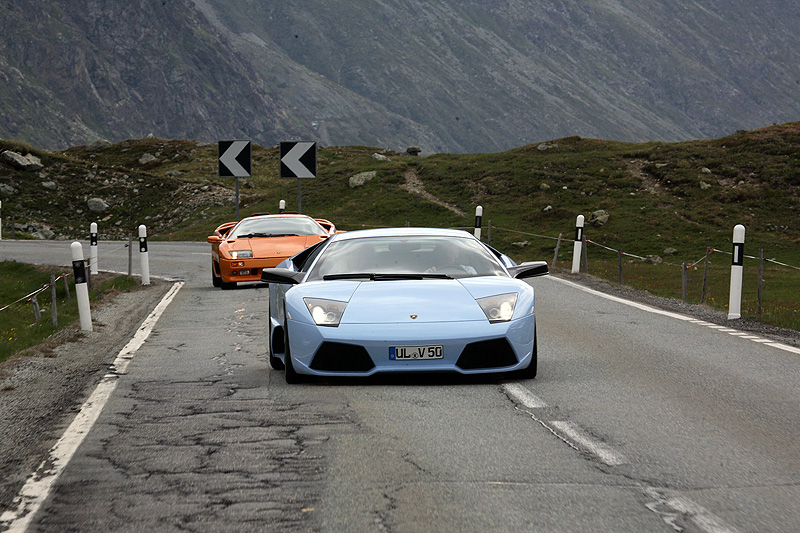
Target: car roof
point(278, 215)
point(402, 232)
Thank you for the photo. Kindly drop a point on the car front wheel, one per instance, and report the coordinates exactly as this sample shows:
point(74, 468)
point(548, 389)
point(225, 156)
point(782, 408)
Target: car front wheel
point(291, 376)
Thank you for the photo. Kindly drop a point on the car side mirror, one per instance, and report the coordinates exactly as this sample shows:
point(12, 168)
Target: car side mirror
point(530, 269)
point(282, 276)
point(213, 239)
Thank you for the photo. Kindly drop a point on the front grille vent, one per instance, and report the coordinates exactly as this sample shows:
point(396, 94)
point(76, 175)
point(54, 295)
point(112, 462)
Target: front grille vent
point(495, 353)
point(341, 357)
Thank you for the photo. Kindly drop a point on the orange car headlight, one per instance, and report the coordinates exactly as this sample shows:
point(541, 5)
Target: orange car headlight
point(241, 254)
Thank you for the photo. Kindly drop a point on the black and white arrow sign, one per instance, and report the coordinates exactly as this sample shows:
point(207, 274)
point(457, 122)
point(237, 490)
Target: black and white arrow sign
point(235, 159)
point(299, 159)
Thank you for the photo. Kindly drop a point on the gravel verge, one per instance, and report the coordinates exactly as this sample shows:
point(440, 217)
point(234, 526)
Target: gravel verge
point(42, 389)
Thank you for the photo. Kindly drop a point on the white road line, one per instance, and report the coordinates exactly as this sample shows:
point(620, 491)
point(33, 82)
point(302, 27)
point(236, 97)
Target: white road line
point(643, 307)
point(702, 518)
point(523, 396)
point(577, 436)
point(37, 488)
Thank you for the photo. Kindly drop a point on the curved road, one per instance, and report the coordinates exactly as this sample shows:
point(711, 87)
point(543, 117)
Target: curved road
point(639, 420)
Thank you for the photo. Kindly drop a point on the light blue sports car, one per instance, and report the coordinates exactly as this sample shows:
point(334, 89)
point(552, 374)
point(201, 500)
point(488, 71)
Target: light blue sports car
point(401, 300)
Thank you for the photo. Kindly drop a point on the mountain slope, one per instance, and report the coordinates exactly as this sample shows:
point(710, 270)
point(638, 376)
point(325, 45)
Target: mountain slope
point(466, 76)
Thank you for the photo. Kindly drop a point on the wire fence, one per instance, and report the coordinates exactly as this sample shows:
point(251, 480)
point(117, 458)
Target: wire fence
point(685, 268)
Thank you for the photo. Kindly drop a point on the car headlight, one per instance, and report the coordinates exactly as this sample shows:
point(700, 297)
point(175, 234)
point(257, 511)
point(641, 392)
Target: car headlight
point(498, 308)
point(325, 312)
point(241, 254)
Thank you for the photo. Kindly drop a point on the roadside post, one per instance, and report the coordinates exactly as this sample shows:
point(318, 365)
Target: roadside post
point(737, 269)
point(81, 287)
point(282, 206)
point(93, 248)
point(478, 221)
point(143, 255)
point(1, 221)
point(576, 251)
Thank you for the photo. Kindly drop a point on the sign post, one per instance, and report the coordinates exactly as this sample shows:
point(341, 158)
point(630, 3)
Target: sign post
point(298, 160)
point(235, 161)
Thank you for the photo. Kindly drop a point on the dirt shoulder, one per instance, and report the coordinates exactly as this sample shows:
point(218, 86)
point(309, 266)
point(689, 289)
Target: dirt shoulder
point(42, 390)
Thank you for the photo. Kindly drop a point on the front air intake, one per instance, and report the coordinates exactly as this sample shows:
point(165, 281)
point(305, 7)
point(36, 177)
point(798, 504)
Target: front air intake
point(495, 353)
point(340, 357)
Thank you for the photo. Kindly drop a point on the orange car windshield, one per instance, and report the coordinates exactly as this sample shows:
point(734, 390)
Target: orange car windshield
point(275, 227)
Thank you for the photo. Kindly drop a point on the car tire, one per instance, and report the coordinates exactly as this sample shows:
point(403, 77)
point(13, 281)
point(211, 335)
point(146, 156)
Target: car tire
point(215, 280)
point(274, 362)
point(530, 372)
point(291, 376)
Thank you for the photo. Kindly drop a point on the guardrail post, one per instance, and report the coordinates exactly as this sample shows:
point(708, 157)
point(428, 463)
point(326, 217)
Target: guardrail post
point(478, 219)
point(144, 255)
point(53, 308)
point(81, 288)
point(130, 254)
point(37, 315)
point(93, 248)
point(555, 255)
point(576, 251)
point(282, 206)
point(684, 279)
point(737, 267)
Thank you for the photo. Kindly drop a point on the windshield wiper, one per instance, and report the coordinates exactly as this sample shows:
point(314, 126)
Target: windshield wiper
point(260, 235)
point(385, 277)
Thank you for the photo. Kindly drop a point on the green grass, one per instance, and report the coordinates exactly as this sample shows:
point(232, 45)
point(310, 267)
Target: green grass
point(18, 327)
point(684, 196)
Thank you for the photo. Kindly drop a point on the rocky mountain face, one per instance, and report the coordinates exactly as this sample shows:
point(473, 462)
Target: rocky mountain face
point(446, 75)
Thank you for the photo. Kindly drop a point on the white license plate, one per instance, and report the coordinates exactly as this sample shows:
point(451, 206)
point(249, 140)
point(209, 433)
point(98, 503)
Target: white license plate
point(404, 353)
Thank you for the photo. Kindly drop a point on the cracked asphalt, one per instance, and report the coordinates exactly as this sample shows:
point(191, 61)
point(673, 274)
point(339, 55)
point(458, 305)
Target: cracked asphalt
point(201, 435)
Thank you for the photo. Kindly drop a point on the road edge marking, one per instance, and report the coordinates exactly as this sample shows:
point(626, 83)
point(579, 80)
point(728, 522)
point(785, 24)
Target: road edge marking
point(655, 310)
point(37, 488)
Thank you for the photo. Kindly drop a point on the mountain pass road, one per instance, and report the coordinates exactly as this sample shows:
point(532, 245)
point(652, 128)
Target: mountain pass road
point(639, 420)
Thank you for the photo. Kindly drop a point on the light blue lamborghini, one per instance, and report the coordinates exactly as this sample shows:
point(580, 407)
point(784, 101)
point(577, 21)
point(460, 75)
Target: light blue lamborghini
point(401, 300)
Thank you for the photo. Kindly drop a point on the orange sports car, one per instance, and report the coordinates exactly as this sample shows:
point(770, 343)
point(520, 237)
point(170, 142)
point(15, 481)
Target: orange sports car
point(240, 250)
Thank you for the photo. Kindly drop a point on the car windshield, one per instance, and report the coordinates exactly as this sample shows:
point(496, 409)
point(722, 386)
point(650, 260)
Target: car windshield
point(275, 227)
point(405, 257)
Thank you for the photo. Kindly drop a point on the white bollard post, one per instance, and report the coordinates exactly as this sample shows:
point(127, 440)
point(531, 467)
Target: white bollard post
point(81, 286)
point(576, 252)
point(737, 268)
point(144, 255)
point(281, 206)
point(93, 248)
point(478, 221)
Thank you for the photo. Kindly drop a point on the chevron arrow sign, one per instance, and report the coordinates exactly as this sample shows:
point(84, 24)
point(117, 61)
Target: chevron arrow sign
point(235, 159)
point(299, 159)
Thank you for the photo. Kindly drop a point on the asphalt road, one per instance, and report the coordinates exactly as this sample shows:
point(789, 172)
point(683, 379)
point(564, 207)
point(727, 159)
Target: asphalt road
point(638, 421)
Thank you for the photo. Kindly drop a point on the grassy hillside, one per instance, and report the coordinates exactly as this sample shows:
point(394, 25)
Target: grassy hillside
point(681, 196)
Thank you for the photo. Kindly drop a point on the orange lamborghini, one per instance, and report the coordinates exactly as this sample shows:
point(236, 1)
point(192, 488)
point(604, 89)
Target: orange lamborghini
point(240, 250)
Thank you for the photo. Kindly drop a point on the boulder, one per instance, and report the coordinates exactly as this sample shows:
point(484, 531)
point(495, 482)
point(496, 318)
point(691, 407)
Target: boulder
point(147, 158)
point(361, 178)
point(22, 162)
point(598, 218)
point(379, 157)
point(7, 190)
point(97, 205)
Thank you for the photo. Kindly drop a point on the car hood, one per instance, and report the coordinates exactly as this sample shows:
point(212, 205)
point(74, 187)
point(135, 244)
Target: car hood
point(412, 301)
point(274, 246)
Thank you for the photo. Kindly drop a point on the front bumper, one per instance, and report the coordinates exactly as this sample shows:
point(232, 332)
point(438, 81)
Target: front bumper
point(471, 347)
